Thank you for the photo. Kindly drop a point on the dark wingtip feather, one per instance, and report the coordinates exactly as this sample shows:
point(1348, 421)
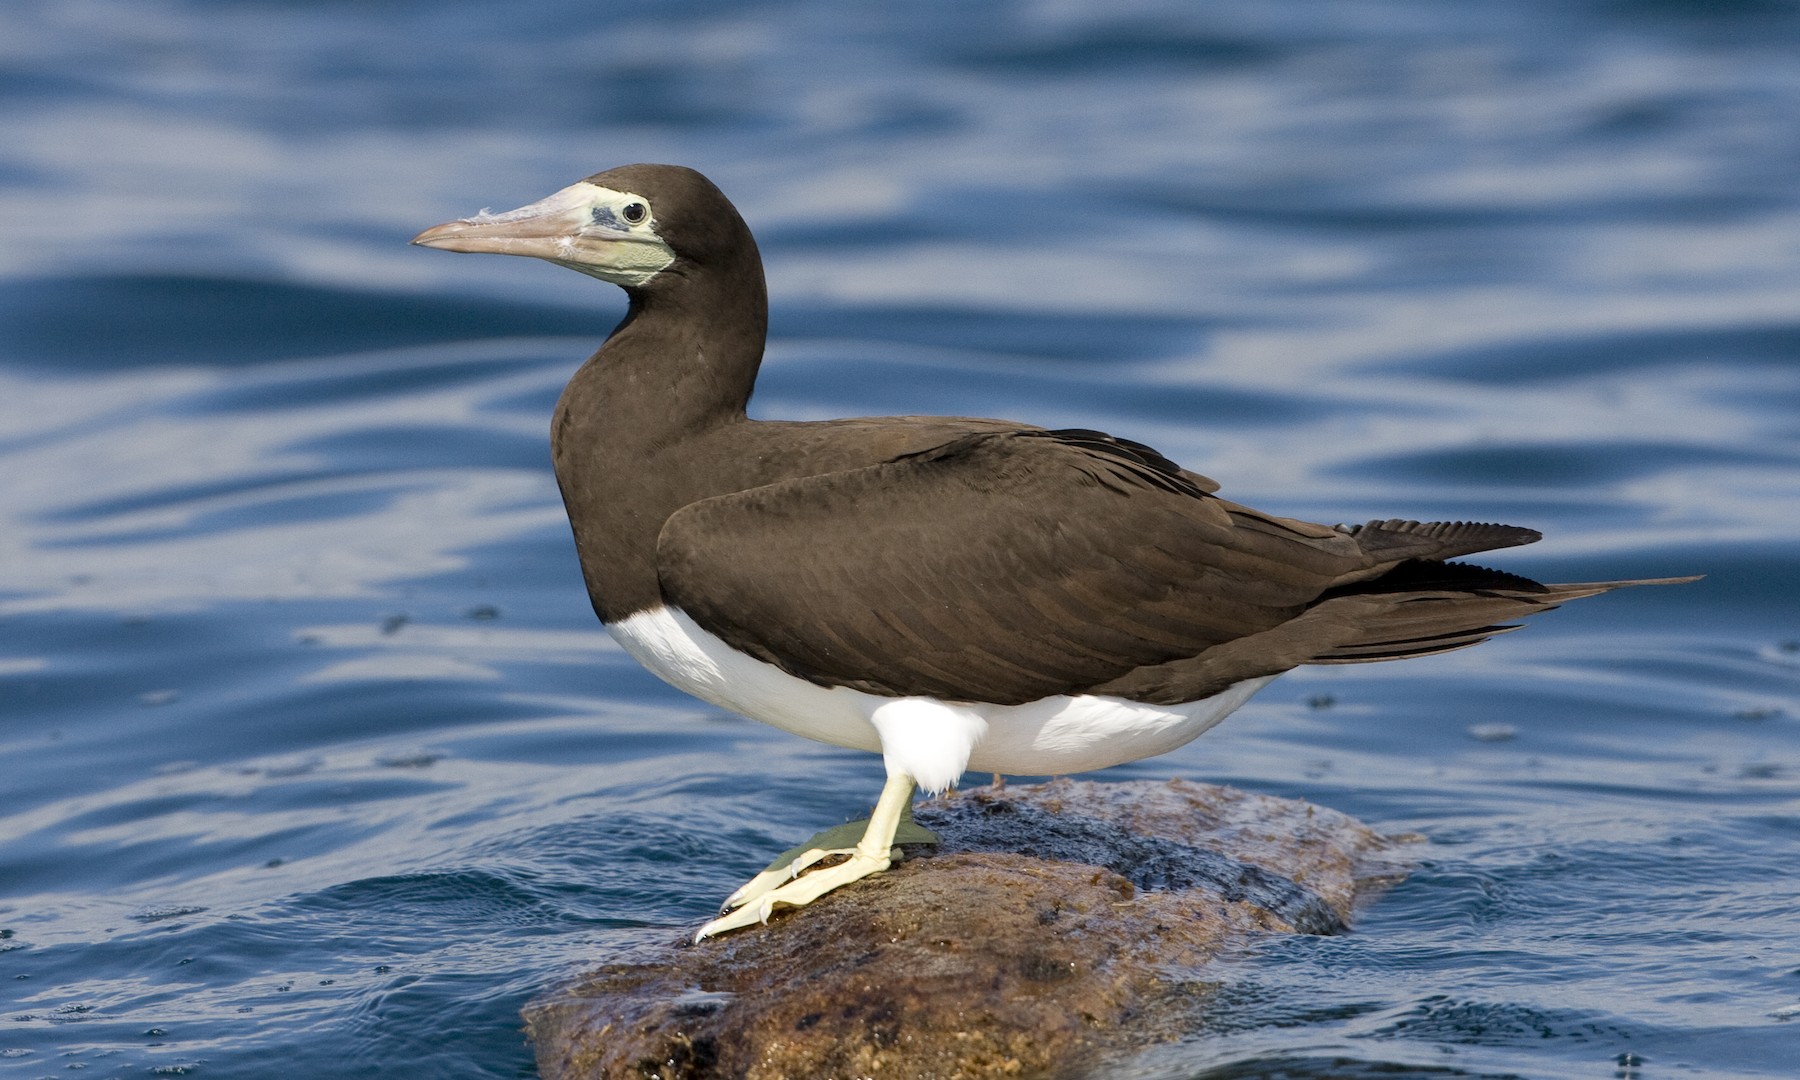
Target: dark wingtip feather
point(1364, 652)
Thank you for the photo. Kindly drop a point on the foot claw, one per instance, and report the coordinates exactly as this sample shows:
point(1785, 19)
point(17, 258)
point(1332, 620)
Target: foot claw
point(796, 893)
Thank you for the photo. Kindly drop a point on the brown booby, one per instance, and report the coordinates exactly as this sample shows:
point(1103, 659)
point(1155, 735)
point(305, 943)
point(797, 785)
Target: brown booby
point(952, 593)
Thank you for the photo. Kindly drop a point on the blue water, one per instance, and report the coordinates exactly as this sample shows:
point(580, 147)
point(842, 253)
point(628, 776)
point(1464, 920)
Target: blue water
point(313, 761)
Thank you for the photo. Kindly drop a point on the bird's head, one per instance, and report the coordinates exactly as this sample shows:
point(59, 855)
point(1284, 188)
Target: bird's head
point(632, 226)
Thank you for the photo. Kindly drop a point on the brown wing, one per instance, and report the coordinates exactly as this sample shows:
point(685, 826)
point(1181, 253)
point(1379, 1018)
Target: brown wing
point(1007, 567)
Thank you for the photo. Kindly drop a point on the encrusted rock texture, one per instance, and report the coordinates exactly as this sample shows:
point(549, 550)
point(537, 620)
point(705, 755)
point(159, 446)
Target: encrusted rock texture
point(1058, 927)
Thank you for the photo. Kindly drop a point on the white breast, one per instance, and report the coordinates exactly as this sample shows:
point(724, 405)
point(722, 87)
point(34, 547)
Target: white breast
point(932, 741)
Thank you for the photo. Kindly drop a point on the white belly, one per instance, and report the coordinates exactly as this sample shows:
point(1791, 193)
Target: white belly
point(932, 741)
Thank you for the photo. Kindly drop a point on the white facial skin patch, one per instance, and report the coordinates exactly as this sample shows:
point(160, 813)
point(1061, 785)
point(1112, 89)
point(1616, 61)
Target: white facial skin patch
point(625, 225)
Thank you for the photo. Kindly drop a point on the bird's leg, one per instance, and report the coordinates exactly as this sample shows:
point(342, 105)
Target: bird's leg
point(874, 852)
point(910, 831)
point(837, 840)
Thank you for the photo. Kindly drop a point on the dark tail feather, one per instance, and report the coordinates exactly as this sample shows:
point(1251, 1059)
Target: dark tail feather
point(1420, 608)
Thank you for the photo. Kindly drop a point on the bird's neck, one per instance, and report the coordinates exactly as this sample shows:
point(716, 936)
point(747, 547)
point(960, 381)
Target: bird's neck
point(631, 429)
point(683, 360)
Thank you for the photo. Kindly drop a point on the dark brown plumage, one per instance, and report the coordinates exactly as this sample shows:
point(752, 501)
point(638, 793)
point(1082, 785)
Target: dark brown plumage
point(1011, 566)
point(978, 564)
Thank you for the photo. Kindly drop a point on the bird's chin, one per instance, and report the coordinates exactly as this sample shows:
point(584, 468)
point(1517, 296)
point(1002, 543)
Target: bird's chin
point(629, 264)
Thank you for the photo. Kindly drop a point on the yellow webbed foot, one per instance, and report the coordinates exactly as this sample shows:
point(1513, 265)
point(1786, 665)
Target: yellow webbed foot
point(791, 881)
point(796, 893)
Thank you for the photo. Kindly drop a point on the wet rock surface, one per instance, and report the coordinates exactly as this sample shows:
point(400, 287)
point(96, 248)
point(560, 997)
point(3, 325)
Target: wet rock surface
point(1057, 927)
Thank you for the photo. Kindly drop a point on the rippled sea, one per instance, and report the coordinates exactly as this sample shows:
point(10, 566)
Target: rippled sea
point(313, 761)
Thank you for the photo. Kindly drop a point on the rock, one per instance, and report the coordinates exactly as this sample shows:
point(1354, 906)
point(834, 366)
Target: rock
point(1047, 935)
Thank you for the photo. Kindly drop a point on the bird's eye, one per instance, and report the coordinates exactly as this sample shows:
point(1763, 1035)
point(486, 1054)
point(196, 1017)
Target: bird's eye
point(634, 213)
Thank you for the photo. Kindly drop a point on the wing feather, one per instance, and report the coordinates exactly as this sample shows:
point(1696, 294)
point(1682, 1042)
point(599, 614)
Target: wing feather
point(1008, 566)
point(999, 567)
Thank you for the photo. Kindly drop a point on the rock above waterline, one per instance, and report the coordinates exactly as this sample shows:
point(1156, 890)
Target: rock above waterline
point(1058, 927)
